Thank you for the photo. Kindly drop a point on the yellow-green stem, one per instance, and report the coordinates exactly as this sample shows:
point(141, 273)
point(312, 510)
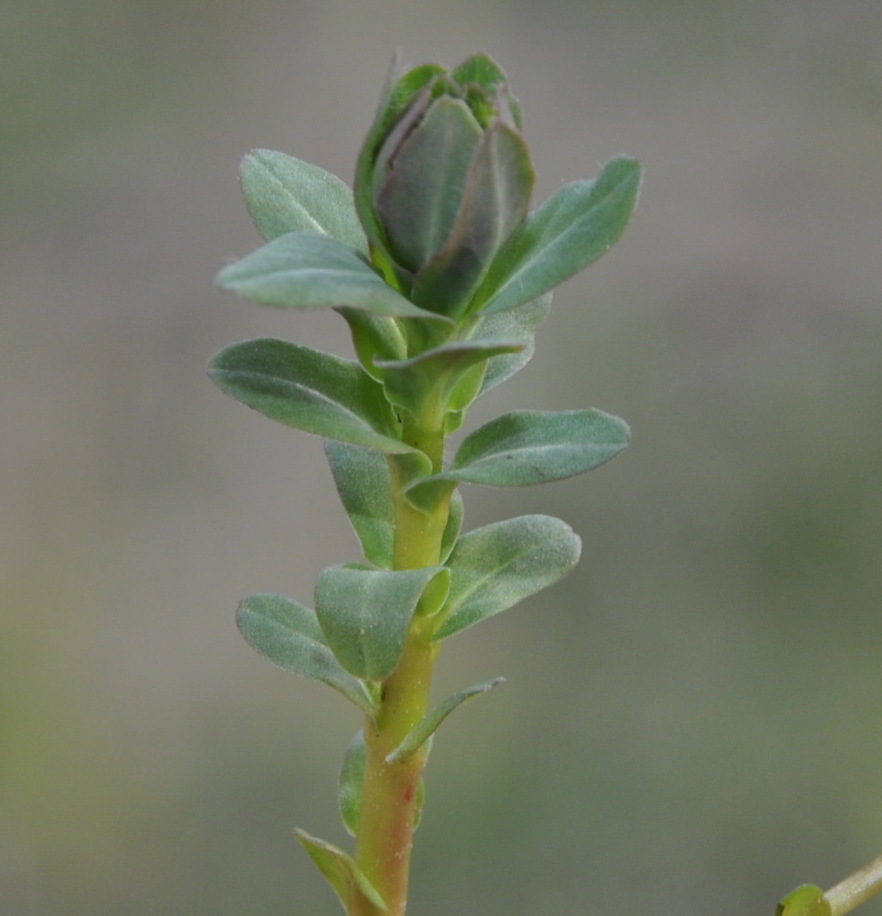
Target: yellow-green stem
point(856, 889)
point(390, 790)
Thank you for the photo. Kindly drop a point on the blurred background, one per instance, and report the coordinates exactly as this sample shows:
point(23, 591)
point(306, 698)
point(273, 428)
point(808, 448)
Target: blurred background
point(693, 719)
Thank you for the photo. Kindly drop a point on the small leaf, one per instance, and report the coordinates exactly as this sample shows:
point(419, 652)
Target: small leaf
point(495, 567)
point(528, 447)
point(569, 231)
point(289, 635)
point(349, 787)
point(428, 725)
point(365, 615)
point(454, 524)
point(363, 482)
point(284, 194)
point(806, 900)
point(340, 871)
point(375, 337)
point(309, 390)
point(306, 270)
point(431, 377)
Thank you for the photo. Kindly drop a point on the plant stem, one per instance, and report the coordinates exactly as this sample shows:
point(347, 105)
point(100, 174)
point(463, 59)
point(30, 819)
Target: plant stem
point(390, 791)
point(856, 889)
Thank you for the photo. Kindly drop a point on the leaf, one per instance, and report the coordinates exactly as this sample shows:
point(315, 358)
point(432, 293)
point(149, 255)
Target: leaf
point(289, 635)
point(306, 270)
point(494, 567)
point(364, 484)
point(570, 230)
point(431, 377)
point(428, 725)
point(340, 871)
point(518, 323)
point(806, 900)
point(309, 390)
point(284, 194)
point(528, 447)
point(424, 180)
point(497, 196)
point(349, 786)
point(365, 615)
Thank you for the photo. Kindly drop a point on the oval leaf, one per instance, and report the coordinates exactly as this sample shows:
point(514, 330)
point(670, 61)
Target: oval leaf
point(289, 635)
point(570, 230)
point(309, 390)
point(365, 615)
point(528, 447)
point(305, 270)
point(284, 194)
point(495, 567)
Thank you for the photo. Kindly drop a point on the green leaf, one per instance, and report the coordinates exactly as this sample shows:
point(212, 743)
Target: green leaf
point(431, 377)
point(309, 390)
point(806, 900)
point(454, 524)
point(340, 871)
point(289, 635)
point(284, 194)
point(428, 725)
point(365, 615)
point(364, 484)
point(518, 323)
point(569, 231)
point(528, 447)
point(349, 786)
point(375, 337)
point(495, 567)
point(305, 270)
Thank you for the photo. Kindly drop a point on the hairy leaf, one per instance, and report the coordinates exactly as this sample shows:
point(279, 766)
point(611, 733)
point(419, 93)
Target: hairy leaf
point(495, 567)
point(570, 230)
point(364, 484)
point(528, 447)
point(307, 270)
point(365, 614)
point(309, 390)
point(284, 194)
point(288, 634)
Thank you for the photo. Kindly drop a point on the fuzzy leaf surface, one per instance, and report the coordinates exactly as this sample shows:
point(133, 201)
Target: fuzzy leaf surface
point(429, 724)
point(574, 227)
point(307, 270)
point(364, 484)
point(308, 390)
point(365, 615)
point(529, 447)
point(340, 871)
point(284, 194)
point(494, 567)
point(433, 376)
point(289, 635)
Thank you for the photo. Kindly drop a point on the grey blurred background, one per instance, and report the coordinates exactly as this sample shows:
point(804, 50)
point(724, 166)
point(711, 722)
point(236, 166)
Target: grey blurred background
point(692, 721)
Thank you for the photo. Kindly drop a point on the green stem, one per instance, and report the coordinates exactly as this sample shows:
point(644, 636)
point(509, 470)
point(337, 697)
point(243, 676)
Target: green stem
point(390, 791)
point(856, 889)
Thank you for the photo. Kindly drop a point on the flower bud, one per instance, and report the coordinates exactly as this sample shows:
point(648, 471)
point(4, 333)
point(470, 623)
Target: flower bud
point(443, 180)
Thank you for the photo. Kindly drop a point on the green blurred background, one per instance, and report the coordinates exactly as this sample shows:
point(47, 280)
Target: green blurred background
point(692, 721)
